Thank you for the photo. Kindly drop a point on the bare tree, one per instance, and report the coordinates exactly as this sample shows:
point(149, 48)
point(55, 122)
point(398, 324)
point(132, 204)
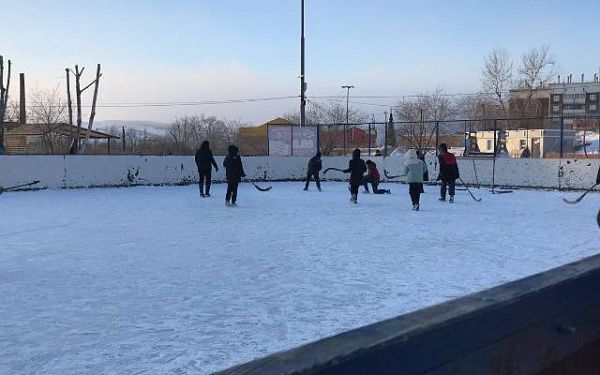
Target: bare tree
point(48, 110)
point(4, 90)
point(181, 130)
point(418, 118)
point(231, 131)
point(497, 74)
point(535, 71)
point(96, 83)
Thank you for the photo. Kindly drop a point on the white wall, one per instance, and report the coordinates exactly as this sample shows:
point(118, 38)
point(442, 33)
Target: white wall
point(96, 171)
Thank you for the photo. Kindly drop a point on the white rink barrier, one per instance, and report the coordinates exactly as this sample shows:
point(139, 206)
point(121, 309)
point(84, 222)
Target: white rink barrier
point(69, 171)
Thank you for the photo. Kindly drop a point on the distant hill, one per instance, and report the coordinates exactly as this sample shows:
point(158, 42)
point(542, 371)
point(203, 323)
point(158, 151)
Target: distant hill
point(154, 127)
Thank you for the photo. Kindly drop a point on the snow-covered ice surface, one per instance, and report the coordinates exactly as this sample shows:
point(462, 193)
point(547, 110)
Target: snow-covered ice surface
point(156, 280)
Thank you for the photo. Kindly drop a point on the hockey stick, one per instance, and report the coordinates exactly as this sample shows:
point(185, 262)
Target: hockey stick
point(3, 189)
point(472, 196)
point(258, 187)
point(475, 170)
point(501, 191)
point(391, 177)
point(332, 169)
point(581, 196)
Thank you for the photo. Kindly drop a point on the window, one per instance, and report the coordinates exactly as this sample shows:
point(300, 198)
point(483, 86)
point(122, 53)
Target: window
point(556, 98)
point(522, 144)
point(490, 144)
point(555, 108)
point(593, 97)
point(593, 107)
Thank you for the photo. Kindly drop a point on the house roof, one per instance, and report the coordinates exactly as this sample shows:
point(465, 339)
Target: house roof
point(278, 121)
point(59, 129)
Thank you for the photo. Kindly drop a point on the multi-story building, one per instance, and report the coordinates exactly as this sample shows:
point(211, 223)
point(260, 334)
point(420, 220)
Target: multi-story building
point(577, 103)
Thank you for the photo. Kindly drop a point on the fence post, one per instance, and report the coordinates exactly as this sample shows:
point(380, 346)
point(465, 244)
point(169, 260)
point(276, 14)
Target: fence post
point(494, 157)
point(465, 139)
point(562, 132)
point(318, 137)
point(385, 136)
point(437, 137)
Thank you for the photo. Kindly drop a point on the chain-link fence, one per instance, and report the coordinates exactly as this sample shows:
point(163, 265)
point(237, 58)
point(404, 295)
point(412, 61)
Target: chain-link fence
point(550, 137)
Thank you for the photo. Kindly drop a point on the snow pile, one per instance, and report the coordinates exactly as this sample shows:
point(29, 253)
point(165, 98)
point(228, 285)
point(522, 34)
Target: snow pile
point(157, 280)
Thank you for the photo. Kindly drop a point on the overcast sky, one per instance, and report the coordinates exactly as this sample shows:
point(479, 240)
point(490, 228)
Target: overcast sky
point(194, 50)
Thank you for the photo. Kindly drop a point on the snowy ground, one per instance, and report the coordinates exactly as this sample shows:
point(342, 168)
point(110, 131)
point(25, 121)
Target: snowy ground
point(156, 280)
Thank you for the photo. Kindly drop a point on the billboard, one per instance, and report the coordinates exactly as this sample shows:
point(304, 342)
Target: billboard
point(280, 140)
point(304, 141)
point(292, 140)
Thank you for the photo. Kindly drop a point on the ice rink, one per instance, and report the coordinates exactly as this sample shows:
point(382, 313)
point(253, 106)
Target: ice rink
point(157, 280)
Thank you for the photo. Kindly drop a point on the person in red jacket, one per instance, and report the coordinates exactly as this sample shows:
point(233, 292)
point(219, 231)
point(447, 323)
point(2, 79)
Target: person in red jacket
point(448, 172)
point(373, 177)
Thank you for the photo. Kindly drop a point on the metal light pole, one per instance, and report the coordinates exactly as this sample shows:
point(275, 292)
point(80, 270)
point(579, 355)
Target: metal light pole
point(347, 87)
point(302, 82)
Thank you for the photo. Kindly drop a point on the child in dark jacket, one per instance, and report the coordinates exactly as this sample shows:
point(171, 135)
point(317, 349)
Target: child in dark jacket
point(314, 166)
point(356, 168)
point(448, 172)
point(373, 177)
point(234, 171)
point(205, 161)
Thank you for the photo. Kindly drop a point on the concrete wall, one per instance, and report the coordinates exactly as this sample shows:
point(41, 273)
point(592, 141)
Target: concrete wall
point(56, 171)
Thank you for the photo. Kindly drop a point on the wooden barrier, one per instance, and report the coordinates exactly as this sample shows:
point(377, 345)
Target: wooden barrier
point(548, 323)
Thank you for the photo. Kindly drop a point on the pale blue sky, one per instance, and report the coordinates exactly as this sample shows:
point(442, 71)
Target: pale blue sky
point(181, 50)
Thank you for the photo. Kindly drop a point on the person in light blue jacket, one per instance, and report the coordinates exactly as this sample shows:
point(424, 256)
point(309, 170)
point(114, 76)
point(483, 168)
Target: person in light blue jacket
point(414, 170)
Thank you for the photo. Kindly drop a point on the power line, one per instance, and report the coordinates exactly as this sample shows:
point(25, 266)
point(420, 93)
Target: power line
point(175, 104)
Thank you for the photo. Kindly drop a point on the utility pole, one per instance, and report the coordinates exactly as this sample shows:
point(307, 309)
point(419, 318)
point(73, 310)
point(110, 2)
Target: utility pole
point(302, 77)
point(347, 87)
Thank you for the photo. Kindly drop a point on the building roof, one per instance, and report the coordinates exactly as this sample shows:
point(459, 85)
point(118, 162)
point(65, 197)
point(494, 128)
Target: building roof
point(59, 129)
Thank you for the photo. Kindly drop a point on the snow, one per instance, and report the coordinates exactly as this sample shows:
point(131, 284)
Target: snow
point(156, 280)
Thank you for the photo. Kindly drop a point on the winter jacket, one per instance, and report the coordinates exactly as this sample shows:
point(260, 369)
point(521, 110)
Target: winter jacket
point(204, 158)
point(448, 167)
point(356, 168)
point(414, 168)
point(234, 169)
point(314, 165)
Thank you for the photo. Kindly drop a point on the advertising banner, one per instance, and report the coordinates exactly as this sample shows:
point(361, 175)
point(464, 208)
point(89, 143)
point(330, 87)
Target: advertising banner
point(280, 140)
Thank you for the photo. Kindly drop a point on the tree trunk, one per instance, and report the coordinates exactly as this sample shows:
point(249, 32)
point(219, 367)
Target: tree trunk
point(93, 112)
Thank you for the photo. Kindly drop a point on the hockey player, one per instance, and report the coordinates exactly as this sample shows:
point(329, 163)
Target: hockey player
point(234, 171)
point(448, 172)
point(314, 167)
point(356, 168)
point(598, 182)
point(414, 169)
point(205, 161)
point(373, 178)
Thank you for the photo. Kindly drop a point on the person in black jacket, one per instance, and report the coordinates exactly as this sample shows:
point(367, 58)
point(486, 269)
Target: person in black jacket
point(314, 166)
point(598, 182)
point(234, 171)
point(356, 168)
point(448, 172)
point(205, 161)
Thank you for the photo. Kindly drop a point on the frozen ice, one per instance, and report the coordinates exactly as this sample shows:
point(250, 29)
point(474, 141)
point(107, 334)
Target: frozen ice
point(157, 280)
